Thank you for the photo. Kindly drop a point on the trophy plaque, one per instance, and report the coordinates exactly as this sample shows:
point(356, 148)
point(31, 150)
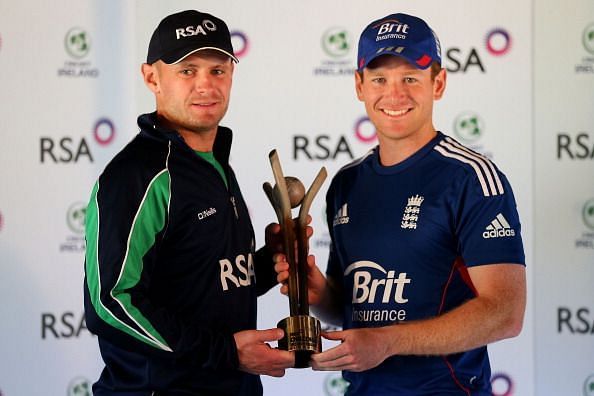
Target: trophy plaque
point(302, 331)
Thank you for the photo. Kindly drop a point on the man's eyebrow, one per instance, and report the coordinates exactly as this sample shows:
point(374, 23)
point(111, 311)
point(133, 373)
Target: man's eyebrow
point(192, 64)
point(186, 64)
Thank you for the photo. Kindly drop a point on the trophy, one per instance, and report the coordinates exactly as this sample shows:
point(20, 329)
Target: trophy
point(302, 332)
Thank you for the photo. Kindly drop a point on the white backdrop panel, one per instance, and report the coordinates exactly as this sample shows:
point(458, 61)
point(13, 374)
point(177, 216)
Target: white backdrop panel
point(564, 197)
point(522, 72)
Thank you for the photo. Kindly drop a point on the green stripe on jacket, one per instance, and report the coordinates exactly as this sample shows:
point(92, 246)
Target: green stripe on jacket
point(148, 222)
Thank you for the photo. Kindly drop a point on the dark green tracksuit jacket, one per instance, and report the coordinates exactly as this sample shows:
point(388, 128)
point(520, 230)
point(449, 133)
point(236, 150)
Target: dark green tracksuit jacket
point(170, 269)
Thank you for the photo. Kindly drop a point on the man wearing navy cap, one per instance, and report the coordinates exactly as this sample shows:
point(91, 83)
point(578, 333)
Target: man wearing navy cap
point(171, 271)
point(426, 264)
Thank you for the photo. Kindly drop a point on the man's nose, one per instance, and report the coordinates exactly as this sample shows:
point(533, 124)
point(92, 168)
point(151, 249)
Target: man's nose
point(203, 82)
point(396, 89)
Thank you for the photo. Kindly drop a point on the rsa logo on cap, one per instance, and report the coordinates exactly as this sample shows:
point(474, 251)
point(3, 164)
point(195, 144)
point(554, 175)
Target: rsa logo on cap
point(189, 31)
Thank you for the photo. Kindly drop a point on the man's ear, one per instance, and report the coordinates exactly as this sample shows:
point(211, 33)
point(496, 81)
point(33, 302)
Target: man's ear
point(439, 84)
point(358, 83)
point(150, 75)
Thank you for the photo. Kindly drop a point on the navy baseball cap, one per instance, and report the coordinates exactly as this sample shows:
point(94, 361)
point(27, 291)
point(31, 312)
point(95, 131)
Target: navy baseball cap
point(184, 33)
point(400, 35)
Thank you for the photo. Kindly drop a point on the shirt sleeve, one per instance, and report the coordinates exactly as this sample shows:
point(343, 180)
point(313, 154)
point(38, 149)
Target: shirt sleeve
point(488, 225)
point(126, 217)
point(333, 269)
point(265, 274)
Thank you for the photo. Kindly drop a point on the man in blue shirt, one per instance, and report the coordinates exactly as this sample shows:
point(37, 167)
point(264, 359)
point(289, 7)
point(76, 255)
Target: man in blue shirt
point(426, 265)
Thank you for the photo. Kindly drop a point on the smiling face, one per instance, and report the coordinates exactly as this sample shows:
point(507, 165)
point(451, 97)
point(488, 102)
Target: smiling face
point(192, 95)
point(399, 100)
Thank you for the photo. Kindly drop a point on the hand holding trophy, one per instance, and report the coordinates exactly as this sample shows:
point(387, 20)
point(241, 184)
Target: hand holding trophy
point(302, 332)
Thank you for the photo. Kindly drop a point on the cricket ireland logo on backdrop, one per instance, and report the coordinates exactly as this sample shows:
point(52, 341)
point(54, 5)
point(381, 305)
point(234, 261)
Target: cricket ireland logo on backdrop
point(337, 43)
point(588, 38)
point(79, 386)
point(75, 217)
point(589, 386)
point(75, 220)
point(586, 240)
point(335, 385)
point(469, 126)
point(586, 66)
point(77, 43)
point(588, 214)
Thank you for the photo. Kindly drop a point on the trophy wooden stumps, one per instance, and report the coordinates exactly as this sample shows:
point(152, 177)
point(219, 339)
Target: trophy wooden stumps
point(302, 332)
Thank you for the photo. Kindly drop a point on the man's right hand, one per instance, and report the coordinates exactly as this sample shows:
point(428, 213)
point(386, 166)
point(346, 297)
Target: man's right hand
point(316, 282)
point(257, 357)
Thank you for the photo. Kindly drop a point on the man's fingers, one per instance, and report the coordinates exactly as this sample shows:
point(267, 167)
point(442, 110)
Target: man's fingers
point(334, 335)
point(332, 366)
point(281, 267)
point(342, 362)
point(311, 261)
point(282, 276)
point(329, 355)
point(273, 228)
point(282, 360)
point(336, 358)
point(269, 335)
point(280, 263)
point(276, 373)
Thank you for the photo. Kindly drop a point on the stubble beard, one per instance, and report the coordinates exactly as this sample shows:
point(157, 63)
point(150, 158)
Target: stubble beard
point(187, 122)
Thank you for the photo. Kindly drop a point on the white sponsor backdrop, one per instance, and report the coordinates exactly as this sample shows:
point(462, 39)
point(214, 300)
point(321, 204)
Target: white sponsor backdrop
point(564, 198)
point(521, 72)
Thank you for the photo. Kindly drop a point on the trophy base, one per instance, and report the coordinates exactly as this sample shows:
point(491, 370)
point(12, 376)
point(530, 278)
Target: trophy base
point(303, 336)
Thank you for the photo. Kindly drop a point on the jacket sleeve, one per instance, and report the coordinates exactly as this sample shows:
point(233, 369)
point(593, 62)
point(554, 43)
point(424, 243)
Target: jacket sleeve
point(265, 274)
point(124, 222)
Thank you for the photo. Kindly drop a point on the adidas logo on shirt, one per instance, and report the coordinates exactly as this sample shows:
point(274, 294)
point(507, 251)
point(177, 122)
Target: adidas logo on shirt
point(498, 228)
point(341, 217)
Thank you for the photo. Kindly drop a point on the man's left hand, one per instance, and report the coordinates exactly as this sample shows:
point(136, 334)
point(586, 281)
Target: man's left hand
point(359, 350)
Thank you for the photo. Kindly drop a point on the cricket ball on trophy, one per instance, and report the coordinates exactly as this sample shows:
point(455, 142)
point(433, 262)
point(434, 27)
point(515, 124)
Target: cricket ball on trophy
point(295, 189)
